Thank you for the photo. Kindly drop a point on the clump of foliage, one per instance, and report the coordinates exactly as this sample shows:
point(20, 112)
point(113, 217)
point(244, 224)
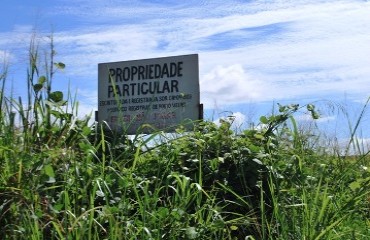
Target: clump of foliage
point(61, 178)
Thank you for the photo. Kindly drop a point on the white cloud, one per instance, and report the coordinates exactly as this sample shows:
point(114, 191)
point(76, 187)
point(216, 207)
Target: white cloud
point(87, 49)
point(308, 118)
point(254, 51)
point(238, 120)
point(228, 85)
point(346, 146)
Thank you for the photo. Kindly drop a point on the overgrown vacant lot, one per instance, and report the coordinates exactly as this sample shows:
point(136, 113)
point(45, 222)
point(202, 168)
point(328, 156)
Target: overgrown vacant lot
point(63, 178)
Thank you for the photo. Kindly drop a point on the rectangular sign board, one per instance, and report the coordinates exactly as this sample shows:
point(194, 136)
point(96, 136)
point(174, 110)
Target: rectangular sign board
point(140, 96)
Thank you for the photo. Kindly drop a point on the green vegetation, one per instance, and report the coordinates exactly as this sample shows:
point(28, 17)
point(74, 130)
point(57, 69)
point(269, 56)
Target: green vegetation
point(61, 178)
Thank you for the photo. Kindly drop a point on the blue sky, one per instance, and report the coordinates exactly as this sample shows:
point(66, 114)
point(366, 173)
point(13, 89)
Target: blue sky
point(252, 53)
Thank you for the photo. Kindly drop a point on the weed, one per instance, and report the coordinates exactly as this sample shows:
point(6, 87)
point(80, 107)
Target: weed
point(61, 178)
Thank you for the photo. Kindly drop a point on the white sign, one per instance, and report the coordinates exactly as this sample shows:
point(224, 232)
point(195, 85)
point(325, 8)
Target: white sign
point(140, 96)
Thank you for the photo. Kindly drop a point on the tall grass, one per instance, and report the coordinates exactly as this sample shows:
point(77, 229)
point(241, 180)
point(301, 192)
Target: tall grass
point(61, 178)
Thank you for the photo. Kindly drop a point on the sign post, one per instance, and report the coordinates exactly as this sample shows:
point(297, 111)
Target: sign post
point(142, 96)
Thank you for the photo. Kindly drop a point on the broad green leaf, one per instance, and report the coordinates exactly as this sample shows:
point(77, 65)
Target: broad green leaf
point(60, 65)
point(37, 87)
point(354, 185)
point(86, 130)
point(67, 116)
point(49, 171)
point(234, 228)
point(293, 107)
point(42, 80)
point(191, 233)
point(282, 108)
point(259, 136)
point(264, 120)
point(310, 107)
point(55, 113)
point(51, 180)
point(55, 104)
point(100, 193)
point(57, 207)
point(56, 96)
point(177, 214)
point(257, 161)
point(218, 223)
point(162, 212)
point(315, 115)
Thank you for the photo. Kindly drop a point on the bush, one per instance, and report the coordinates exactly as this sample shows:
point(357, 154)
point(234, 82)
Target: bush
point(61, 178)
